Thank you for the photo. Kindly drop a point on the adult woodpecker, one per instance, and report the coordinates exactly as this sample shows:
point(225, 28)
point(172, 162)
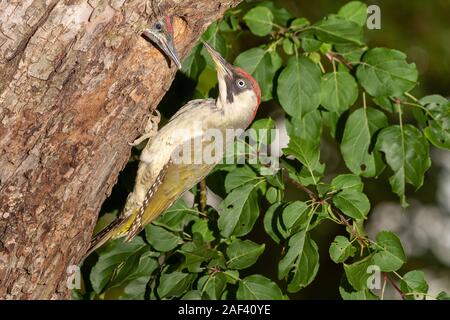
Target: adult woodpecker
point(160, 180)
point(161, 34)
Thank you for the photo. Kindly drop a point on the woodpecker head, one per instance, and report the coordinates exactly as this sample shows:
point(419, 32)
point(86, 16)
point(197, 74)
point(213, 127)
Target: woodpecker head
point(161, 33)
point(236, 87)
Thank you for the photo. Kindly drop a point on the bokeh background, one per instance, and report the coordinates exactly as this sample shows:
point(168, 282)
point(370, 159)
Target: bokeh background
point(422, 30)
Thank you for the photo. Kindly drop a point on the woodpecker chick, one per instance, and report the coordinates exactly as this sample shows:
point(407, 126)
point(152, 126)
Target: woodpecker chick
point(160, 180)
point(161, 34)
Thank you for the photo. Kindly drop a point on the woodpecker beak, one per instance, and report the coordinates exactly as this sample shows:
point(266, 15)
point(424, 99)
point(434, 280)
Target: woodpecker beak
point(223, 67)
point(165, 42)
point(225, 73)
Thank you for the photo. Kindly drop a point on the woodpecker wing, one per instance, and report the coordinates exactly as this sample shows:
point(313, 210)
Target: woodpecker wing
point(174, 179)
point(193, 104)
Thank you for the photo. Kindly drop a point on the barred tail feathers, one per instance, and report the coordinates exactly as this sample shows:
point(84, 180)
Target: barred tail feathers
point(115, 228)
point(147, 211)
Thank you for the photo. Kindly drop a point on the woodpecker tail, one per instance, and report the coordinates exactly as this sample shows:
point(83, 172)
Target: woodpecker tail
point(106, 234)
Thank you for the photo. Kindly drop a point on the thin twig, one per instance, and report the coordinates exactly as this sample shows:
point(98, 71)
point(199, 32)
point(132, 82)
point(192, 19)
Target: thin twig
point(394, 285)
point(298, 185)
point(332, 56)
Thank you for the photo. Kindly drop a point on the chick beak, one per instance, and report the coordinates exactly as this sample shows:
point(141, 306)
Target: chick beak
point(166, 44)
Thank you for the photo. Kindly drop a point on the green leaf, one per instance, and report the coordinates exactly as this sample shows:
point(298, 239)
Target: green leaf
point(299, 23)
point(315, 56)
point(357, 295)
point(243, 254)
point(438, 130)
point(240, 177)
point(261, 131)
point(262, 64)
point(330, 119)
point(232, 276)
point(324, 49)
point(299, 86)
point(406, 152)
point(174, 284)
point(134, 279)
point(137, 265)
point(347, 181)
point(161, 239)
point(301, 262)
point(219, 261)
point(115, 254)
point(339, 91)
point(352, 203)
point(288, 46)
point(390, 256)
point(273, 223)
point(195, 253)
point(194, 63)
point(201, 227)
point(295, 216)
point(354, 11)
point(229, 23)
point(239, 212)
point(192, 295)
point(385, 72)
point(281, 15)
point(443, 296)
point(307, 127)
point(308, 154)
point(414, 282)
point(213, 285)
point(357, 140)
point(310, 42)
point(276, 180)
point(259, 20)
point(307, 130)
point(177, 216)
point(258, 287)
point(387, 104)
point(272, 195)
point(357, 273)
point(341, 249)
point(351, 52)
point(337, 30)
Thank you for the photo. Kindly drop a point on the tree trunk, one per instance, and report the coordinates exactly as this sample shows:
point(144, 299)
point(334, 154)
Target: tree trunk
point(76, 85)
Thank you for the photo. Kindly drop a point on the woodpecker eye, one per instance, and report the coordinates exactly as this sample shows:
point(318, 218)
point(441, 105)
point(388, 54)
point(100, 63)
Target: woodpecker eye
point(241, 83)
point(158, 26)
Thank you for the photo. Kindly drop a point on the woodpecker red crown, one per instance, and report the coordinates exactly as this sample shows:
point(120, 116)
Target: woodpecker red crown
point(253, 82)
point(169, 26)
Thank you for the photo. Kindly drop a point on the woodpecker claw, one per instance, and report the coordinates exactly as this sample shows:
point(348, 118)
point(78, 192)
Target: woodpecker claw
point(150, 129)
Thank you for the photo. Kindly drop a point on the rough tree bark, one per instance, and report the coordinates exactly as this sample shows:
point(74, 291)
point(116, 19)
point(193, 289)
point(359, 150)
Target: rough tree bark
point(76, 85)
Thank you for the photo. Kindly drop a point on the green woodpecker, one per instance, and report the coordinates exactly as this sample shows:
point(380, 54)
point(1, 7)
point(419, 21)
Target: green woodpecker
point(161, 34)
point(167, 166)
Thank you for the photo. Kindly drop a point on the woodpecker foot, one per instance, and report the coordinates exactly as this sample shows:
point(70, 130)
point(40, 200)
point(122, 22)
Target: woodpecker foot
point(150, 129)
